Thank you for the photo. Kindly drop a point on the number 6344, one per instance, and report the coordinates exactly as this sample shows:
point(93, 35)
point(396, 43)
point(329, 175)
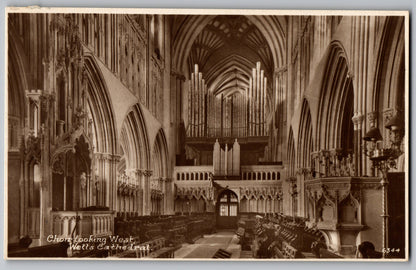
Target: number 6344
point(391, 250)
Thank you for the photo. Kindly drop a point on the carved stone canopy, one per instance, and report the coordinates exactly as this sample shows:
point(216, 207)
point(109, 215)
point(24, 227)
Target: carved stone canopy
point(205, 193)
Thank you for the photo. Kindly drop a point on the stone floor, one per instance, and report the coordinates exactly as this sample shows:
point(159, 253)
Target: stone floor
point(205, 247)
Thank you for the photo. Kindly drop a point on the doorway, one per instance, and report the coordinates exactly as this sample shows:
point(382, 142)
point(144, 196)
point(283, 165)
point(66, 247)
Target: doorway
point(227, 210)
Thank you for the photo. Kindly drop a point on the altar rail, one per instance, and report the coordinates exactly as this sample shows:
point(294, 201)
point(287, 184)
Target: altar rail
point(82, 223)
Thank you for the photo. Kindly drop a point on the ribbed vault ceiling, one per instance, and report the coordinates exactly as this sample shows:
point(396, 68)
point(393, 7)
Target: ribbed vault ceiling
point(226, 50)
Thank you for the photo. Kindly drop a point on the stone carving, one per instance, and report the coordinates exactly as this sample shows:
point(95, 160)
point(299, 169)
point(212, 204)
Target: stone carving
point(58, 165)
point(372, 118)
point(339, 198)
point(127, 185)
point(205, 193)
point(331, 163)
point(261, 192)
point(147, 173)
point(79, 117)
point(33, 148)
point(45, 100)
point(306, 171)
point(69, 35)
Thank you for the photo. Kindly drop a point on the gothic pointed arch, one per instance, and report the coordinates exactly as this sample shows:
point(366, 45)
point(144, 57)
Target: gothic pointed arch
point(17, 85)
point(388, 97)
point(389, 76)
point(134, 194)
point(19, 182)
point(160, 155)
point(335, 98)
point(291, 153)
point(134, 141)
point(305, 137)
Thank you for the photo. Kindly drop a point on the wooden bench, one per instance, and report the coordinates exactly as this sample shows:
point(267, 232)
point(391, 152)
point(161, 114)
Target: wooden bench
point(151, 249)
point(58, 250)
point(290, 252)
point(221, 254)
point(240, 232)
point(156, 249)
point(326, 254)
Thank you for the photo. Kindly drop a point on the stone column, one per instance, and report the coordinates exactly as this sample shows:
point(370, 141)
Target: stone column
point(357, 120)
point(140, 184)
point(164, 189)
point(112, 185)
point(146, 174)
point(372, 120)
point(106, 180)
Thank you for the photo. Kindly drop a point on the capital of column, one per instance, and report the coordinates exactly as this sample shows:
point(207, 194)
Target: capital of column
point(372, 118)
point(303, 171)
point(139, 172)
point(388, 114)
point(178, 75)
point(350, 75)
point(44, 184)
point(147, 173)
point(34, 95)
point(281, 69)
point(357, 120)
point(116, 158)
point(105, 156)
point(291, 179)
point(45, 100)
point(165, 179)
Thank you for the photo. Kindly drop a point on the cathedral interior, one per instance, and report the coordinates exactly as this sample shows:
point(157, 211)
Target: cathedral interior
point(206, 136)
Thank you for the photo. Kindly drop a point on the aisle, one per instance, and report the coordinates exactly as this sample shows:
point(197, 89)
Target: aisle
point(207, 246)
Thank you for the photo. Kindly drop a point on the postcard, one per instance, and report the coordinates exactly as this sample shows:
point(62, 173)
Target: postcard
point(185, 134)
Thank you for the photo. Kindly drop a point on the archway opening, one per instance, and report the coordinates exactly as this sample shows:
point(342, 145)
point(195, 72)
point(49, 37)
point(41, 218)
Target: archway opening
point(227, 210)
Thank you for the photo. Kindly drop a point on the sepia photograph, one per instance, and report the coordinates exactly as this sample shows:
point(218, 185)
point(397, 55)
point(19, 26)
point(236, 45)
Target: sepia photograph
point(185, 134)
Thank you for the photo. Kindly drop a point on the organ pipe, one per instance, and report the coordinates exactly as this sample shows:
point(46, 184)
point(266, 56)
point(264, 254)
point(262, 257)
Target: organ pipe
point(197, 104)
point(190, 111)
point(237, 115)
point(250, 108)
point(264, 107)
point(258, 99)
point(261, 103)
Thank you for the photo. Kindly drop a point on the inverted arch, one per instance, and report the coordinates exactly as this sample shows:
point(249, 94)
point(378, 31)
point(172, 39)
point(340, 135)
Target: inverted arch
point(101, 108)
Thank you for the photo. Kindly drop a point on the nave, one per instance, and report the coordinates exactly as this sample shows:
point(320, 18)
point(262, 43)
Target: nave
point(208, 246)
